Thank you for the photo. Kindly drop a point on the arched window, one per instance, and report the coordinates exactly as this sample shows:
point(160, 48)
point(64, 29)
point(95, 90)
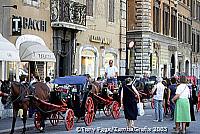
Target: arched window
point(88, 62)
point(110, 56)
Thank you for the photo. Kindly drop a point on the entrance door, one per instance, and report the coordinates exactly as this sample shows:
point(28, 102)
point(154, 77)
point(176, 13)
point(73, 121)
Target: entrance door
point(187, 67)
point(172, 65)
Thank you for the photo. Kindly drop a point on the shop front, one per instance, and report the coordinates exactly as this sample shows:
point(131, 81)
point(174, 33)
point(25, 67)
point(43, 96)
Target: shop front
point(8, 58)
point(35, 56)
point(88, 61)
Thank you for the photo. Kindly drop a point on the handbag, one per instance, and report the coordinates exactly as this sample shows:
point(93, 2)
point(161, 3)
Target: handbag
point(140, 107)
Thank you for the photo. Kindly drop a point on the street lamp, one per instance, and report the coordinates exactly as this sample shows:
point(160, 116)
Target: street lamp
point(176, 54)
point(6, 6)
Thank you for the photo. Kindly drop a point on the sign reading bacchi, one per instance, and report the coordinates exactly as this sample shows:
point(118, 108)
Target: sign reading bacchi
point(19, 23)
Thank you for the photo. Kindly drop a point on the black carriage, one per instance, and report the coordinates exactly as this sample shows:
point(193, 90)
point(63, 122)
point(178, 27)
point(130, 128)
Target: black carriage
point(73, 90)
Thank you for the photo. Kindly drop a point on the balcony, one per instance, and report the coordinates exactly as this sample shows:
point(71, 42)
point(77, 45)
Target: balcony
point(69, 14)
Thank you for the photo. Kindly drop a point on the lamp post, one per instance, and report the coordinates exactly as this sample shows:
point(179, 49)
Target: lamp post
point(176, 53)
point(6, 6)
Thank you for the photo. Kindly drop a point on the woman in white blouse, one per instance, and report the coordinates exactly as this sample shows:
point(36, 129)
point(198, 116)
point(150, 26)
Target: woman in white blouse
point(182, 108)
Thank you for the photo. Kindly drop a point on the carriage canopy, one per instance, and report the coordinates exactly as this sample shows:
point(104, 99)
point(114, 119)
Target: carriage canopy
point(71, 80)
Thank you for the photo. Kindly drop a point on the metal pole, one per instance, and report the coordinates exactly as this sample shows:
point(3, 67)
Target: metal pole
point(142, 58)
point(176, 53)
point(127, 71)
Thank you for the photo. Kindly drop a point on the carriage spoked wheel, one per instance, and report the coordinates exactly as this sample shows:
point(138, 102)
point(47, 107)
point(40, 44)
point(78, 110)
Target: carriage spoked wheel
point(115, 110)
point(89, 114)
point(37, 120)
point(69, 119)
point(106, 110)
point(54, 118)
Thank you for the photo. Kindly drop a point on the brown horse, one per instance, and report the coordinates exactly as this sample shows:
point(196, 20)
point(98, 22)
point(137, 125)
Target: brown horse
point(20, 100)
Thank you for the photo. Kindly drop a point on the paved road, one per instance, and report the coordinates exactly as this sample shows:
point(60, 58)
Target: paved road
point(103, 124)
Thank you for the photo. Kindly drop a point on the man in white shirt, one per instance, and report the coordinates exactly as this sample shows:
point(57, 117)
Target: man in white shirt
point(158, 91)
point(111, 73)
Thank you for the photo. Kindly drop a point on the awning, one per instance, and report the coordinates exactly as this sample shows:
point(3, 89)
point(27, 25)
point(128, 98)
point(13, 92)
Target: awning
point(8, 52)
point(34, 51)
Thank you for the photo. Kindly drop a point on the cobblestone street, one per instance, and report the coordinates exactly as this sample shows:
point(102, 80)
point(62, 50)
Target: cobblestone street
point(102, 122)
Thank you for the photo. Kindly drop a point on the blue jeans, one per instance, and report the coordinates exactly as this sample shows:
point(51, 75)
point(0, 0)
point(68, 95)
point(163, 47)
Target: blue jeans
point(112, 80)
point(158, 109)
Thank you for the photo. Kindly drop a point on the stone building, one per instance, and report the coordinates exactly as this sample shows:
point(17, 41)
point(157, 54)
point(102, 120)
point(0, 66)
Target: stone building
point(26, 24)
point(196, 38)
point(161, 31)
point(104, 39)
point(86, 38)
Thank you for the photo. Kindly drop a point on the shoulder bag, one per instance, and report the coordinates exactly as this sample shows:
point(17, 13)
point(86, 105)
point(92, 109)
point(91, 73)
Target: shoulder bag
point(140, 106)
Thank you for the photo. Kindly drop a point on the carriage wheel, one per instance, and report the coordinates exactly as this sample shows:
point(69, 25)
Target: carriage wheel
point(106, 110)
point(69, 119)
point(89, 115)
point(54, 119)
point(37, 120)
point(115, 110)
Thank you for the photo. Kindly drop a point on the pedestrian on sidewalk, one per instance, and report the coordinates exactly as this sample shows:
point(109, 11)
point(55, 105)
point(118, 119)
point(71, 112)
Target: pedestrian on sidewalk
point(172, 93)
point(182, 107)
point(158, 95)
point(129, 96)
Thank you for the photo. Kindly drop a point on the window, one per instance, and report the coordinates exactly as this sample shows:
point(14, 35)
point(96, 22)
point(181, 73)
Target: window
point(180, 30)
point(189, 33)
point(173, 23)
point(166, 20)
point(193, 9)
point(188, 3)
point(197, 11)
point(184, 32)
point(111, 11)
point(193, 42)
point(198, 43)
point(156, 17)
point(35, 3)
point(89, 4)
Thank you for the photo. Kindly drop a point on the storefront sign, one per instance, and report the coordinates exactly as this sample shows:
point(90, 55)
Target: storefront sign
point(99, 39)
point(16, 26)
point(19, 22)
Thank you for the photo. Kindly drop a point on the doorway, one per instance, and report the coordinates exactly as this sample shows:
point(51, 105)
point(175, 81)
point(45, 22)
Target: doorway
point(172, 65)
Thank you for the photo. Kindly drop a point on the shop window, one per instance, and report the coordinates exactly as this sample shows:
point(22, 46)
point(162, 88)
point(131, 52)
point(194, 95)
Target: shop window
point(88, 62)
point(111, 11)
point(110, 56)
point(89, 9)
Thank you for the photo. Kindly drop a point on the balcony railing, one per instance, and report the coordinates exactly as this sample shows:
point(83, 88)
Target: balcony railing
point(68, 11)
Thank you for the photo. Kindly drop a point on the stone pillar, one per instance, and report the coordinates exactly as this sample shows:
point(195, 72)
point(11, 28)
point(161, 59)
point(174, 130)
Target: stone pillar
point(140, 60)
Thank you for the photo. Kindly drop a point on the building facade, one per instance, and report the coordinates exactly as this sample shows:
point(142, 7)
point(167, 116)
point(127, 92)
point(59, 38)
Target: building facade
point(161, 31)
point(196, 38)
point(104, 38)
point(27, 25)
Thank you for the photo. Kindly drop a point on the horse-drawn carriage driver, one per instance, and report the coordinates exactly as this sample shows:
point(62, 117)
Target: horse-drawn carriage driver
point(111, 73)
